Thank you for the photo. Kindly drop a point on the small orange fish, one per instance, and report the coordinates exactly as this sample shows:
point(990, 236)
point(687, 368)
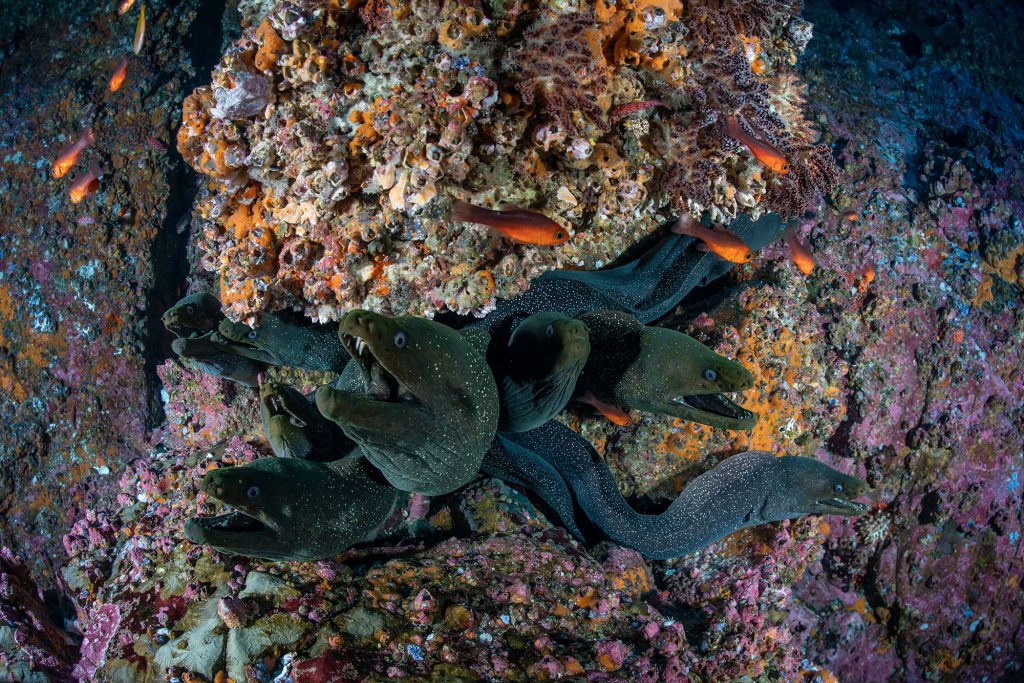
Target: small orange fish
point(86, 184)
point(868, 275)
point(140, 31)
point(124, 6)
point(802, 256)
point(762, 151)
point(69, 154)
point(722, 242)
point(613, 413)
point(117, 79)
point(520, 225)
point(851, 215)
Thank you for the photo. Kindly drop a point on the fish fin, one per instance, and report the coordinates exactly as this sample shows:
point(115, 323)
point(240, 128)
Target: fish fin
point(686, 225)
point(701, 246)
point(732, 127)
point(610, 412)
point(462, 212)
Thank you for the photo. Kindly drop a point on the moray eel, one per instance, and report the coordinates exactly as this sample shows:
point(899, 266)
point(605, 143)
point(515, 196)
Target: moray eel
point(296, 429)
point(428, 408)
point(744, 490)
point(194, 315)
point(201, 354)
point(538, 373)
point(283, 339)
point(291, 509)
point(516, 465)
point(664, 371)
point(647, 287)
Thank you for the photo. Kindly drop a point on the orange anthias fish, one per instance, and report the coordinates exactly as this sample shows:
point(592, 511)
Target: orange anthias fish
point(721, 242)
point(802, 256)
point(521, 225)
point(69, 154)
point(124, 6)
point(613, 413)
point(851, 215)
point(762, 151)
point(140, 31)
point(86, 184)
point(117, 78)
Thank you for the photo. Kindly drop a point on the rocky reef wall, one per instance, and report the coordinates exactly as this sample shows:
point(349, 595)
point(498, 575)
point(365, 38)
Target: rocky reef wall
point(898, 360)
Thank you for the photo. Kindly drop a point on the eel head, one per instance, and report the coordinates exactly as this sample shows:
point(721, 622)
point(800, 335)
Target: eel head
point(677, 375)
point(194, 315)
point(429, 405)
point(261, 499)
point(814, 488)
point(546, 344)
point(291, 509)
point(286, 419)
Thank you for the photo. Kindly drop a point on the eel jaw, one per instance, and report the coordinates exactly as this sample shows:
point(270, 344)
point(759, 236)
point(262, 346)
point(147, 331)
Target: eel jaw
point(714, 409)
point(379, 383)
point(839, 506)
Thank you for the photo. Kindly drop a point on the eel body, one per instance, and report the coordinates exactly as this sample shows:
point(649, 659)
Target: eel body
point(427, 410)
point(290, 509)
point(538, 373)
point(743, 490)
point(660, 370)
point(201, 354)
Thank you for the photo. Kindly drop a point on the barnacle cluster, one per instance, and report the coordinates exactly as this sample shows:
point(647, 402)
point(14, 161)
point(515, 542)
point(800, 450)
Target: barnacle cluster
point(334, 137)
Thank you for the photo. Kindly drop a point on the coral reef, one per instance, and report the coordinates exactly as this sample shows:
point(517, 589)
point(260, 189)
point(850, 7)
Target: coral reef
point(334, 139)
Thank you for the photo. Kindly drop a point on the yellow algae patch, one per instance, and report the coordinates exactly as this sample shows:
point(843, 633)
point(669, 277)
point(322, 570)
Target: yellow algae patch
point(1005, 268)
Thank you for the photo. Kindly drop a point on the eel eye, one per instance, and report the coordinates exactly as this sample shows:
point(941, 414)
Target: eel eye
point(253, 493)
point(296, 421)
point(549, 331)
point(838, 488)
point(710, 375)
point(190, 309)
point(400, 340)
point(253, 334)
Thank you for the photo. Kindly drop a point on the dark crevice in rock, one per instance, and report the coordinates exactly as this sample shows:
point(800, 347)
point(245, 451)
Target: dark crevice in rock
point(169, 249)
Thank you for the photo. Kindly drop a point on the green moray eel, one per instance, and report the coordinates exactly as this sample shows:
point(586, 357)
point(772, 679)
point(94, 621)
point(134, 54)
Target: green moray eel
point(647, 287)
point(515, 465)
point(291, 509)
point(537, 376)
point(664, 371)
point(196, 314)
point(428, 409)
point(201, 354)
point(285, 339)
point(744, 490)
point(296, 429)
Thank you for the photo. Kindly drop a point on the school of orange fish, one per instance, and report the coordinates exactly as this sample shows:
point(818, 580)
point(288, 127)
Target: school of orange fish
point(85, 185)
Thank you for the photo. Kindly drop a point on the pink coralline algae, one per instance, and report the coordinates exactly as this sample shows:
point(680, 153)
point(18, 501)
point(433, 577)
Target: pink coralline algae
point(100, 625)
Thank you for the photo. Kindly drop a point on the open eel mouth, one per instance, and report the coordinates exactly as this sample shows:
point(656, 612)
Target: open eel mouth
point(841, 506)
point(380, 384)
point(716, 405)
point(233, 521)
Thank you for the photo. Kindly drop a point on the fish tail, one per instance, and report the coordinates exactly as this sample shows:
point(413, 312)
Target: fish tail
point(88, 135)
point(732, 127)
point(463, 212)
point(686, 225)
